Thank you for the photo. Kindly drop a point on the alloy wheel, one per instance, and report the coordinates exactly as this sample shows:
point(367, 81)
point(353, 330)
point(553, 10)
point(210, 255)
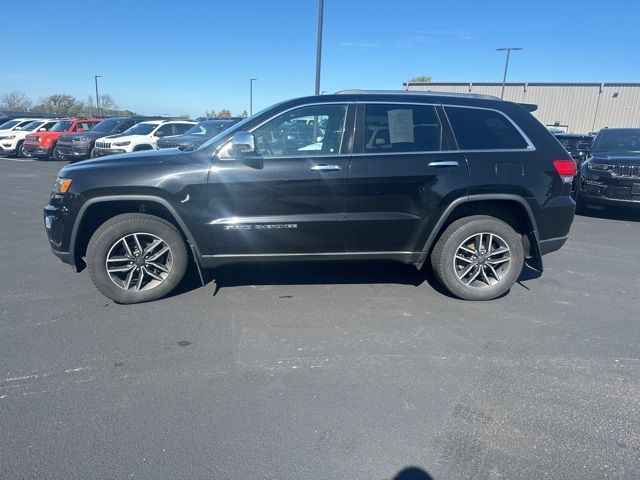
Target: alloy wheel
point(482, 260)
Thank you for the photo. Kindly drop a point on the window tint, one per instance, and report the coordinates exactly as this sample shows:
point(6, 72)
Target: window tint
point(180, 128)
point(402, 128)
point(127, 124)
point(165, 130)
point(85, 126)
point(314, 130)
point(479, 129)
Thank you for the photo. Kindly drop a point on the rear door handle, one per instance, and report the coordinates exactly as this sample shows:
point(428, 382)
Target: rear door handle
point(445, 163)
point(325, 168)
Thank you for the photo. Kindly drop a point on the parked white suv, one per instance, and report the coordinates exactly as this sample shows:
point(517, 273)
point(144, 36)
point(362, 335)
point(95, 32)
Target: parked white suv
point(11, 140)
point(14, 124)
point(143, 136)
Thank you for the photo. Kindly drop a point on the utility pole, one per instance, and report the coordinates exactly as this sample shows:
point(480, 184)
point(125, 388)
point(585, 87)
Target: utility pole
point(96, 77)
point(319, 45)
point(506, 65)
point(251, 80)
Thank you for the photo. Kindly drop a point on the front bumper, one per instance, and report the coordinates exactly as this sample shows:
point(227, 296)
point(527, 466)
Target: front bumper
point(36, 150)
point(610, 191)
point(76, 151)
point(101, 152)
point(59, 216)
point(7, 147)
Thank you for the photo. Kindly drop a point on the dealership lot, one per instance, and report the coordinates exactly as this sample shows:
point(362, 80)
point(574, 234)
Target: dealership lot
point(317, 370)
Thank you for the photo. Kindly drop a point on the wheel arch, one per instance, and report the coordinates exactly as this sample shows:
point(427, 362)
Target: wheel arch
point(95, 211)
point(513, 209)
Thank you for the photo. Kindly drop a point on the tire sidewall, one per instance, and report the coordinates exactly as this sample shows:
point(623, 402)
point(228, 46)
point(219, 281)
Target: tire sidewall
point(113, 230)
point(446, 270)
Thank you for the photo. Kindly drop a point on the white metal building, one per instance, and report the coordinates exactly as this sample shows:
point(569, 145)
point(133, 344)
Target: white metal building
point(575, 107)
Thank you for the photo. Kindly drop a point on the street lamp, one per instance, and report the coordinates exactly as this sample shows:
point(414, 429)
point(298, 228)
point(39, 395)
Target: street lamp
point(506, 65)
point(319, 45)
point(251, 80)
point(96, 77)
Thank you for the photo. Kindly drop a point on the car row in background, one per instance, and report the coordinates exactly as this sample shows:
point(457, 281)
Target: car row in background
point(576, 144)
point(76, 139)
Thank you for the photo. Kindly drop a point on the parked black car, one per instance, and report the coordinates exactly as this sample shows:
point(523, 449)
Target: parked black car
point(197, 135)
point(78, 146)
point(473, 183)
point(576, 144)
point(611, 174)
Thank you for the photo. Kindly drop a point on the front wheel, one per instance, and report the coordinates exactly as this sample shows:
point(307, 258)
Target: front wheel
point(57, 155)
point(478, 258)
point(134, 258)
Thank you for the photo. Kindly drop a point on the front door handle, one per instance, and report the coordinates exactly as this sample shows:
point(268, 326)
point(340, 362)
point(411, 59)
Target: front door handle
point(325, 168)
point(446, 163)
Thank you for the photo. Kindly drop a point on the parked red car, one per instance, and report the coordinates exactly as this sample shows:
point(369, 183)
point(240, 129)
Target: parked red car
point(43, 144)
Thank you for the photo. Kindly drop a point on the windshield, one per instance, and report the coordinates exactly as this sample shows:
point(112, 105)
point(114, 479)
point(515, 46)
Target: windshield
point(141, 129)
point(106, 126)
point(61, 126)
point(208, 128)
point(617, 141)
point(31, 126)
point(9, 124)
point(575, 143)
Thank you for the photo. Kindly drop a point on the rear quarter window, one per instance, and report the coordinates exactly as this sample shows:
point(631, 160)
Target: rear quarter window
point(481, 129)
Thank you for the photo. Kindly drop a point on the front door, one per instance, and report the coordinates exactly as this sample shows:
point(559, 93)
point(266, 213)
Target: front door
point(405, 170)
point(288, 198)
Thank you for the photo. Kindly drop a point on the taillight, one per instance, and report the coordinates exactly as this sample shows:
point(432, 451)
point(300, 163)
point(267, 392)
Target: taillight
point(566, 169)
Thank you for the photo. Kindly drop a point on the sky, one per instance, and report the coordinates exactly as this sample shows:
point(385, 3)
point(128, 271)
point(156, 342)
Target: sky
point(161, 57)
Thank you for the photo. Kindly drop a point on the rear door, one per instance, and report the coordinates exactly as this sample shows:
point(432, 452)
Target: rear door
point(405, 170)
point(288, 198)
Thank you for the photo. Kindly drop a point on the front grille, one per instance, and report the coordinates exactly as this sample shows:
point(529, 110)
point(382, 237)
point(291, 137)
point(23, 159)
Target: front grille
point(103, 145)
point(166, 144)
point(623, 193)
point(627, 171)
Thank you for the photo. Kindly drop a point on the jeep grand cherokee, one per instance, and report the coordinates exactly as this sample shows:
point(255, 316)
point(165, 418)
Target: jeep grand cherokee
point(474, 184)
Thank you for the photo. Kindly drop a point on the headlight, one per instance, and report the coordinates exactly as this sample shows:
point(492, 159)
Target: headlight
point(82, 139)
point(38, 139)
point(62, 185)
point(9, 137)
point(599, 167)
point(121, 144)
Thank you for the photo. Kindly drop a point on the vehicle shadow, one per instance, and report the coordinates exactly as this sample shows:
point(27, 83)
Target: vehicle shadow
point(622, 213)
point(412, 473)
point(321, 273)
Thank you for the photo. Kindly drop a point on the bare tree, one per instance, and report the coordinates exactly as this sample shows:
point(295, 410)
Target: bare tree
point(224, 113)
point(15, 101)
point(60, 104)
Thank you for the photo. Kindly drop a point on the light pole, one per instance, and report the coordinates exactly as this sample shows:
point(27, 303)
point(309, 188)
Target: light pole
point(319, 45)
point(251, 80)
point(96, 77)
point(506, 65)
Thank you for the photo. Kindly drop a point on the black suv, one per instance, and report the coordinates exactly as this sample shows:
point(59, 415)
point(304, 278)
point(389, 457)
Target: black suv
point(78, 146)
point(473, 183)
point(576, 144)
point(198, 134)
point(611, 174)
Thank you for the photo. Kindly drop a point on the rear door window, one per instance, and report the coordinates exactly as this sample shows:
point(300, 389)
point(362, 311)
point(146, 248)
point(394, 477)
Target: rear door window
point(482, 129)
point(402, 128)
point(180, 128)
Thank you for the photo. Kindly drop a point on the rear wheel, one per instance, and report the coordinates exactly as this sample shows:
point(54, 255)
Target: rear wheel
point(478, 258)
point(135, 258)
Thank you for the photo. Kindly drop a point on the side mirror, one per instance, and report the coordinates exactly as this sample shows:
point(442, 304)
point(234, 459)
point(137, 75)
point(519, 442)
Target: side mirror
point(243, 143)
point(80, 130)
point(159, 134)
point(42, 129)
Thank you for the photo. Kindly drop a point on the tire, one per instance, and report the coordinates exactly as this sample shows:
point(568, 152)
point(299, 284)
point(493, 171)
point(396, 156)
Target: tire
point(18, 152)
point(93, 153)
point(581, 207)
point(23, 154)
point(499, 274)
point(107, 244)
point(57, 155)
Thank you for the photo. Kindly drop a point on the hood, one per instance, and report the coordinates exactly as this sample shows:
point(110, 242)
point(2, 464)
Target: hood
point(184, 140)
point(119, 136)
point(123, 160)
point(88, 134)
point(48, 134)
point(618, 158)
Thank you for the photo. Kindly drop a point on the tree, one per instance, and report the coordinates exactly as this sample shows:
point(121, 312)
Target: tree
point(224, 113)
point(60, 104)
point(420, 79)
point(210, 113)
point(15, 102)
point(244, 114)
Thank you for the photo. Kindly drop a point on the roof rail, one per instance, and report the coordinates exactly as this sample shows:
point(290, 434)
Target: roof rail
point(413, 92)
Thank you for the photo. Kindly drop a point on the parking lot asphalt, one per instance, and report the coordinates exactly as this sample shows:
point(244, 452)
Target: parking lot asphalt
point(317, 371)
